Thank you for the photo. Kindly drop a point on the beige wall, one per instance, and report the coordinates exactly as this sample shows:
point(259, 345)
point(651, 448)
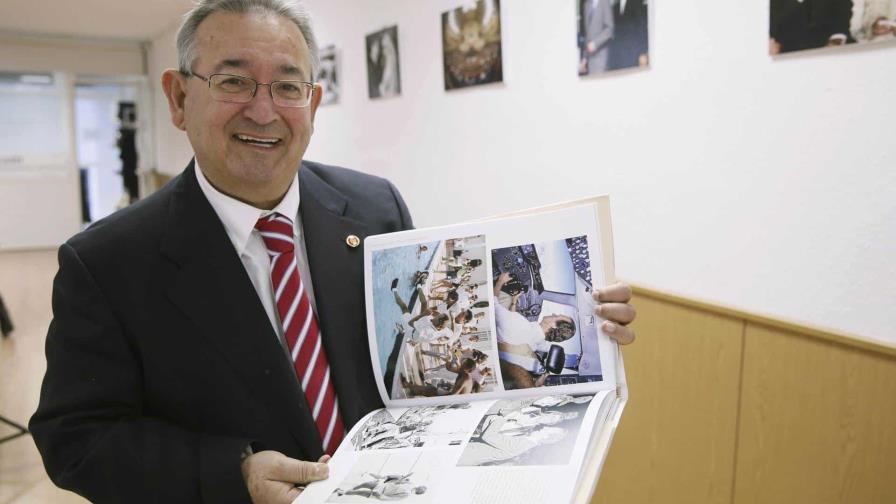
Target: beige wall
point(729, 407)
point(31, 53)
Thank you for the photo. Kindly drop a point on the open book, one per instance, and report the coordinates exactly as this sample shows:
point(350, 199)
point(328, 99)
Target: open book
point(499, 384)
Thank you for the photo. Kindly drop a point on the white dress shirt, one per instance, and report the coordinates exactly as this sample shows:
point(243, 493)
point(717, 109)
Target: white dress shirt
point(516, 329)
point(239, 221)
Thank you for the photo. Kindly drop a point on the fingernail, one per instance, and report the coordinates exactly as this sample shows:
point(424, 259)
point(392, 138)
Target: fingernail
point(609, 327)
point(598, 309)
point(596, 294)
point(322, 470)
point(325, 459)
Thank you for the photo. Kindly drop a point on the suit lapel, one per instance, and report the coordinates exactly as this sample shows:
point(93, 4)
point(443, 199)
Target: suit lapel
point(215, 292)
point(337, 280)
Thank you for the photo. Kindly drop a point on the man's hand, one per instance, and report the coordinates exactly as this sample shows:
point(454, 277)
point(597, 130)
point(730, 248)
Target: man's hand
point(615, 309)
point(271, 477)
point(502, 280)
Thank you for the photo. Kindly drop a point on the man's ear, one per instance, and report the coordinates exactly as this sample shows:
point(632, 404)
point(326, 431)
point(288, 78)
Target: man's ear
point(174, 84)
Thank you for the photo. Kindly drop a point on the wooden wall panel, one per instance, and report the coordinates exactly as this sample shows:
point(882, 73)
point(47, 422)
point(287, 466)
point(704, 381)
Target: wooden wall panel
point(818, 422)
point(676, 440)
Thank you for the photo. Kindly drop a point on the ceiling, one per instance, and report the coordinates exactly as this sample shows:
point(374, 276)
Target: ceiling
point(96, 19)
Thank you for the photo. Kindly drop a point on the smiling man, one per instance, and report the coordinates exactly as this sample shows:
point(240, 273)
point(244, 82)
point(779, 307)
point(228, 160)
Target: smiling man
point(209, 342)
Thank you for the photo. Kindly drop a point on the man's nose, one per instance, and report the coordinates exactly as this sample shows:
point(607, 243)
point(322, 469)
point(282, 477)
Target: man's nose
point(261, 108)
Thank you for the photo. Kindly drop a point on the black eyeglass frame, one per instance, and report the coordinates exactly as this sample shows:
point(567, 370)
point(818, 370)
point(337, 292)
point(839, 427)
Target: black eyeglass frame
point(270, 86)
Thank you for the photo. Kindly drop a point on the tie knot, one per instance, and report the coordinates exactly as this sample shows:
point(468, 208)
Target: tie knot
point(277, 233)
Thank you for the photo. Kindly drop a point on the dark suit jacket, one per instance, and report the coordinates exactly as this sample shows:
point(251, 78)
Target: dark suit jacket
point(630, 35)
point(161, 362)
point(808, 24)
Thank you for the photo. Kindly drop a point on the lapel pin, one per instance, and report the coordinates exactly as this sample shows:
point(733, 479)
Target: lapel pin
point(352, 241)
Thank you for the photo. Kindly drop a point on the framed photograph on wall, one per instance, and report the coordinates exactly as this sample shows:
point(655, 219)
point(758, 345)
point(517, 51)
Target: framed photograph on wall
point(471, 45)
point(612, 35)
point(796, 25)
point(329, 75)
point(383, 72)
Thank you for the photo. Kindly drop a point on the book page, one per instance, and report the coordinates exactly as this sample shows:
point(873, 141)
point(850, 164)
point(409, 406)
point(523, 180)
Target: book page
point(497, 308)
point(521, 450)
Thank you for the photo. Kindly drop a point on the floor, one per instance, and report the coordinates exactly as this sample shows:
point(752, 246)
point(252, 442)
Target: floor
point(25, 284)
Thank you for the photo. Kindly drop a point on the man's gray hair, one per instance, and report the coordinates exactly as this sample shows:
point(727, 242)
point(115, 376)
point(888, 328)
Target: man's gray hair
point(291, 10)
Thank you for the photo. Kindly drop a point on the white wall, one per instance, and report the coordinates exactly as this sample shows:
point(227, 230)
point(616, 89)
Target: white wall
point(762, 184)
point(173, 152)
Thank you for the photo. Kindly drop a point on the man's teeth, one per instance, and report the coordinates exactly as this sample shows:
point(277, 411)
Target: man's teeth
point(258, 141)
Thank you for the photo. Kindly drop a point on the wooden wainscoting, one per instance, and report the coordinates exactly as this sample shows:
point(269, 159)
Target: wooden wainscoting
point(732, 407)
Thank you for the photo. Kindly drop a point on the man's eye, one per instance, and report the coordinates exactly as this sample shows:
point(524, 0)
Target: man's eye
point(289, 88)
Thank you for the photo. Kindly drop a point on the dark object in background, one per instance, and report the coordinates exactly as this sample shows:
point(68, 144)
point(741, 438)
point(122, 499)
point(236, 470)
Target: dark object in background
point(85, 197)
point(6, 326)
point(127, 144)
point(808, 24)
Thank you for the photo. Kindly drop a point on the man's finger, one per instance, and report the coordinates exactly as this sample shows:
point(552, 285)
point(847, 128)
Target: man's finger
point(298, 471)
point(615, 293)
point(294, 492)
point(616, 312)
point(623, 335)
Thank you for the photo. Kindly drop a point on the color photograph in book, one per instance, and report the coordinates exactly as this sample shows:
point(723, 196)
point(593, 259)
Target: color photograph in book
point(544, 318)
point(527, 432)
point(432, 320)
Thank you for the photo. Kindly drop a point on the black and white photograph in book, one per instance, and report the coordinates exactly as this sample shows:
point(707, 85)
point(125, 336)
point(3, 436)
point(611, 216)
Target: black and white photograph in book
point(795, 25)
point(444, 426)
point(471, 44)
point(407, 477)
point(433, 326)
point(527, 432)
point(544, 317)
point(383, 72)
point(329, 75)
point(612, 35)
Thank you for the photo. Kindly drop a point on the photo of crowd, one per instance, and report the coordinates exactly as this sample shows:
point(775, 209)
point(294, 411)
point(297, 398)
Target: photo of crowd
point(612, 35)
point(436, 338)
point(525, 432)
point(430, 426)
point(471, 45)
point(544, 320)
point(795, 25)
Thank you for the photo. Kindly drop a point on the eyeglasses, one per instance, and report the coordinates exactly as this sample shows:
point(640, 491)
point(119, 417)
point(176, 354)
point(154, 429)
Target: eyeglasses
point(239, 89)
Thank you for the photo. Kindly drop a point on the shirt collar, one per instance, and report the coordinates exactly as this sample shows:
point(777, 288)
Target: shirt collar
point(239, 218)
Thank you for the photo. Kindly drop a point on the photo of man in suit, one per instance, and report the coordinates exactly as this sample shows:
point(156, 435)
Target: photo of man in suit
point(209, 342)
point(597, 19)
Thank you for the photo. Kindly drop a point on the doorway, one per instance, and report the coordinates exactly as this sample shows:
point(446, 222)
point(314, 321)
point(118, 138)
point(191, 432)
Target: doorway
point(105, 133)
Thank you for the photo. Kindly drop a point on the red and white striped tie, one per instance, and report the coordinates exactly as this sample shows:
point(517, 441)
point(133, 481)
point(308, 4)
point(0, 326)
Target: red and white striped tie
point(300, 329)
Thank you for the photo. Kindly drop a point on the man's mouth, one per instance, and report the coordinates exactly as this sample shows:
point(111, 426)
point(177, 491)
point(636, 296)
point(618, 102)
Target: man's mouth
point(257, 141)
